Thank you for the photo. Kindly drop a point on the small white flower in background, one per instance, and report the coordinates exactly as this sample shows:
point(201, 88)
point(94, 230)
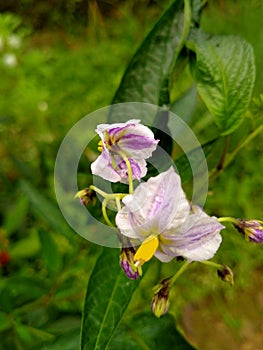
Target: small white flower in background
point(132, 140)
point(9, 60)
point(14, 41)
point(159, 215)
point(42, 106)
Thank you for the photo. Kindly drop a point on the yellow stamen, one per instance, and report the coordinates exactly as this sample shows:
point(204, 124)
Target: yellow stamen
point(100, 146)
point(146, 251)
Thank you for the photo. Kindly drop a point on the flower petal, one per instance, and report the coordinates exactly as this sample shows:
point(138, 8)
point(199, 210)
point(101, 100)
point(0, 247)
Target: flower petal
point(131, 140)
point(117, 126)
point(153, 206)
point(139, 169)
point(199, 239)
point(102, 167)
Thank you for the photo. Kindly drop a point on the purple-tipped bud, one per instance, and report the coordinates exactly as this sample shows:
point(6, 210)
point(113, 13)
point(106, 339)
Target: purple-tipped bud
point(251, 229)
point(160, 301)
point(127, 263)
point(226, 274)
point(86, 196)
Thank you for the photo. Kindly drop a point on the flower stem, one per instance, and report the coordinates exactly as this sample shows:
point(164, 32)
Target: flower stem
point(104, 213)
point(129, 169)
point(99, 191)
point(179, 273)
point(211, 263)
point(118, 203)
point(227, 219)
point(106, 195)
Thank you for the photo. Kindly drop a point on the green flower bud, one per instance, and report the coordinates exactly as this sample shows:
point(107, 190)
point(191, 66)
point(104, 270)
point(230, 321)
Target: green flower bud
point(226, 274)
point(86, 196)
point(160, 301)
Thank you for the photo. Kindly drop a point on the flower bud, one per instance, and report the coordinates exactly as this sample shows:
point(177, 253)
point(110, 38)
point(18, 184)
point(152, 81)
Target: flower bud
point(86, 196)
point(226, 274)
point(127, 263)
point(251, 229)
point(160, 301)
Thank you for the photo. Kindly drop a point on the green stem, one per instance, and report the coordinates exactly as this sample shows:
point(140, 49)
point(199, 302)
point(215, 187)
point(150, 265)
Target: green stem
point(211, 263)
point(104, 213)
point(179, 273)
point(107, 196)
point(129, 169)
point(221, 163)
point(118, 203)
point(99, 191)
point(250, 137)
point(227, 219)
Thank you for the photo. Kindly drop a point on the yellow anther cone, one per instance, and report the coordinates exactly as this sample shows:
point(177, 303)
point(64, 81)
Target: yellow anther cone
point(146, 251)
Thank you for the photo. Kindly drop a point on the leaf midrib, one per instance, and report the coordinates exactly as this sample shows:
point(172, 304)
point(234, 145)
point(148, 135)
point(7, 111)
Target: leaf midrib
point(106, 315)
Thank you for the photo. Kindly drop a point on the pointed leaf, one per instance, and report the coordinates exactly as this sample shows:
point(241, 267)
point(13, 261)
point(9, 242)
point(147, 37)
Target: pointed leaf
point(16, 215)
point(49, 251)
point(146, 332)
point(147, 76)
point(108, 295)
point(224, 68)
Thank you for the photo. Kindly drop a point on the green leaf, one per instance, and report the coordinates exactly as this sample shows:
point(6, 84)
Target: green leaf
point(193, 159)
point(67, 341)
point(108, 295)
point(49, 251)
point(5, 322)
point(19, 290)
point(224, 69)
point(147, 76)
point(47, 209)
point(146, 332)
point(16, 215)
point(26, 247)
point(32, 336)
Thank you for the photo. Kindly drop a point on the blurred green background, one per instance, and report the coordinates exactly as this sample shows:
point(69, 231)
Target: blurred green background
point(60, 60)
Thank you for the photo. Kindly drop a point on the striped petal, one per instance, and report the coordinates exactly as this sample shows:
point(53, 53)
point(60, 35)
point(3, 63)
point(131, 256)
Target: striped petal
point(154, 205)
point(196, 240)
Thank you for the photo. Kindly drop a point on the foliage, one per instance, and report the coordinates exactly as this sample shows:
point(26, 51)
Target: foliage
point(60, 77)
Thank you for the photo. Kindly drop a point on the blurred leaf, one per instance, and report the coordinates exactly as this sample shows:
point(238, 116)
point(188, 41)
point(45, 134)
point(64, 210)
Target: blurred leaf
point(16, 215)
point(19, 290)
point(184, 106)
point(49, 251)
point(5, 322)
point(67, 341)
point(193, 159)
point(108, 295)
point(224, 68)
point(64, 325)
point(47, 209)
point(26, 247)
point(147, 76)
point(146, 332)
point(32, 336)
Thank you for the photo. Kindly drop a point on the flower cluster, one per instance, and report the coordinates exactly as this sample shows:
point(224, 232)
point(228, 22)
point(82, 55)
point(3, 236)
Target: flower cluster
point(156, 217)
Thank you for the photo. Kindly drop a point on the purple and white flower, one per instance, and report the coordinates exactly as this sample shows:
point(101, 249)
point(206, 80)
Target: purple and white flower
point(130, 140)
point(159, 215)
